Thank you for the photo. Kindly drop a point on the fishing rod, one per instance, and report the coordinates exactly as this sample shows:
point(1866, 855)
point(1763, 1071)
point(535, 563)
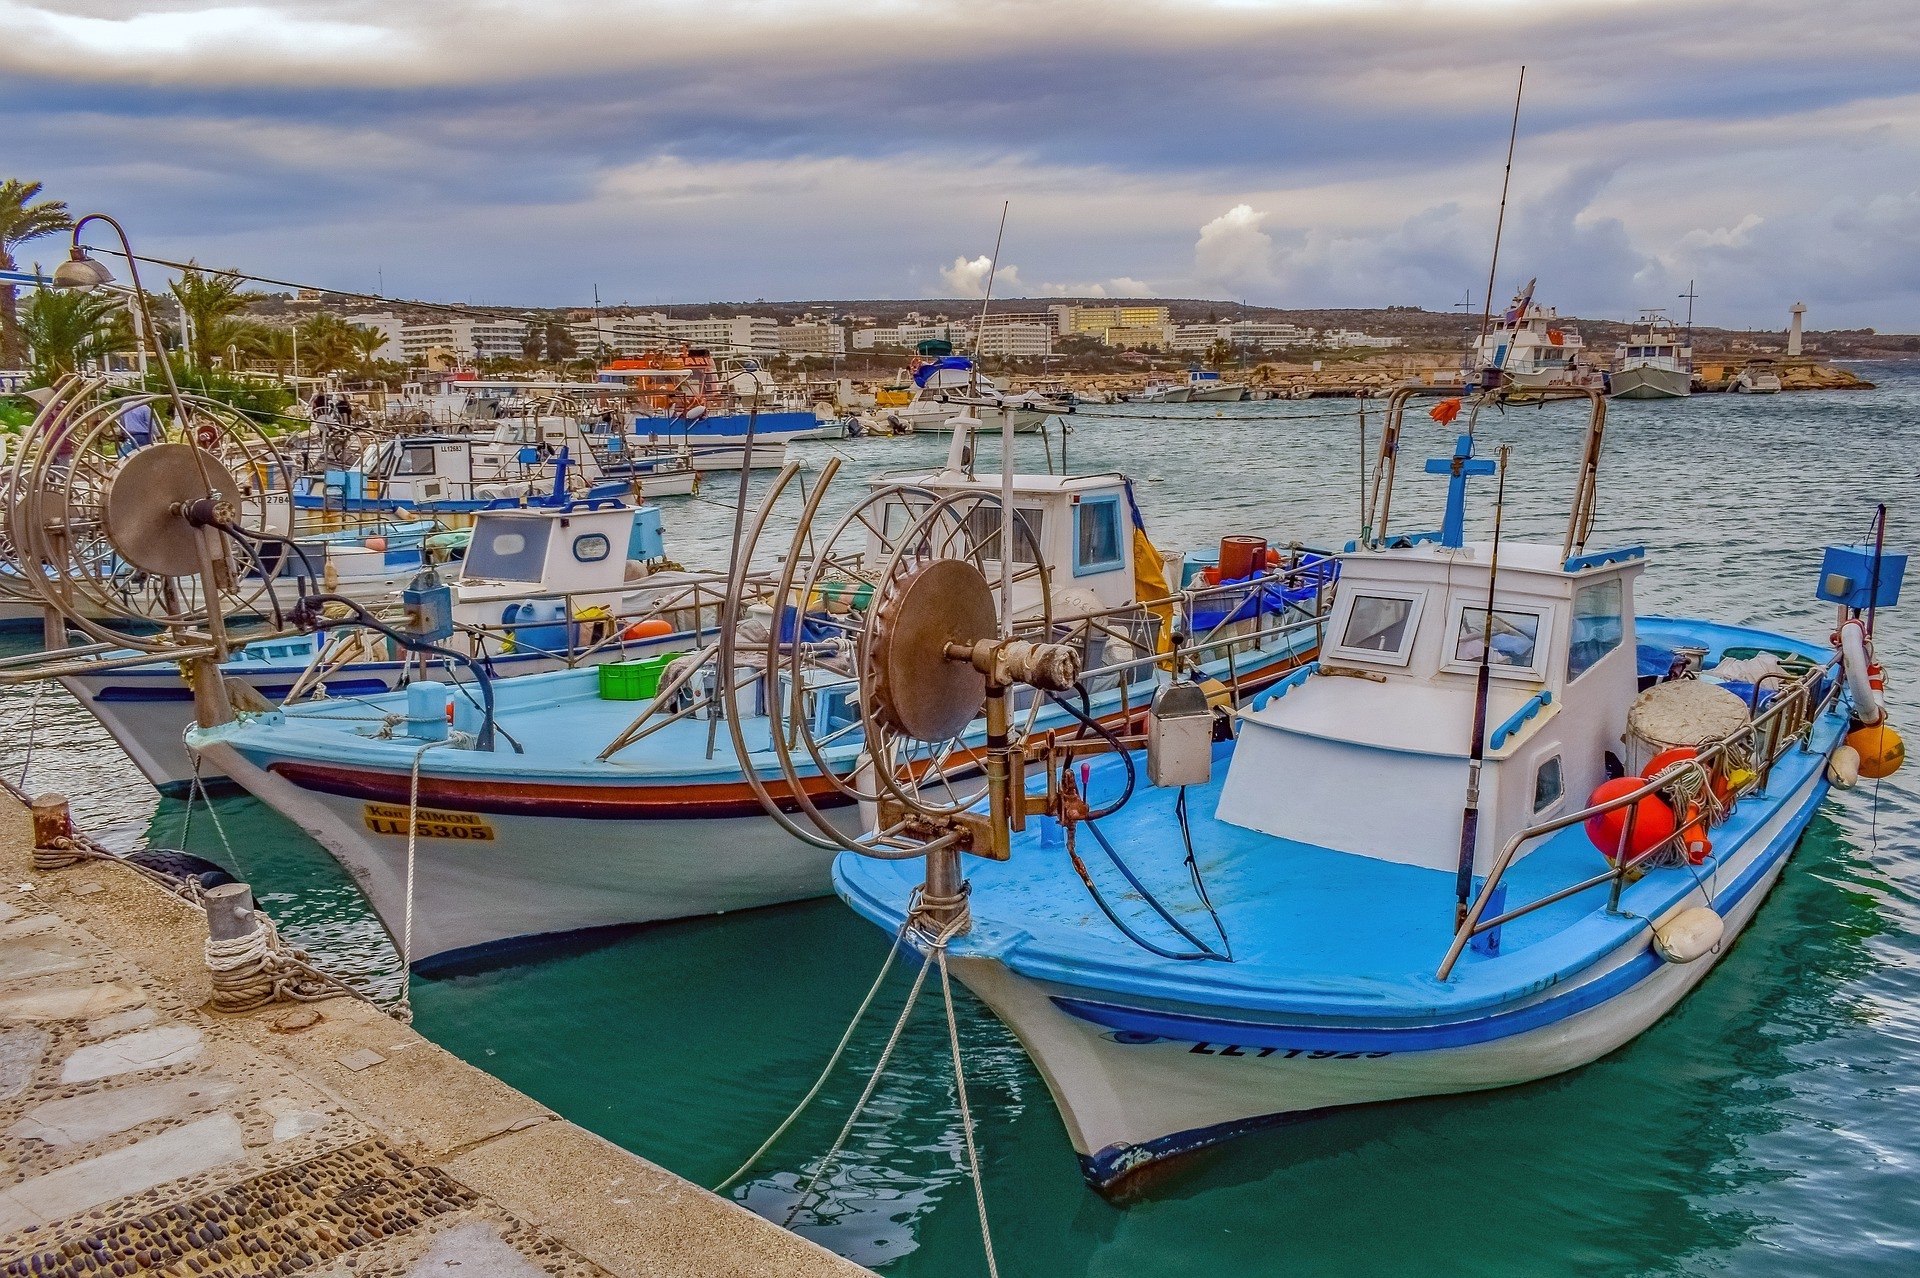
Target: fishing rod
point(1470, 816)
point(1500, 222)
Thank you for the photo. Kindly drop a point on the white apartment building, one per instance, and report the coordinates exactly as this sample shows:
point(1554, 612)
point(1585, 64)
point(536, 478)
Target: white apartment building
point(910, 335)
point(457, 336)
point(1342, 338)
point(1016, 338)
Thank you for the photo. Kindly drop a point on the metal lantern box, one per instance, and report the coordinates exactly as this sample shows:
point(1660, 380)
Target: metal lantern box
point(1847, 578)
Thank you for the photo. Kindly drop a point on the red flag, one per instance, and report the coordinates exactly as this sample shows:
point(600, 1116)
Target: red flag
point(1445, 411)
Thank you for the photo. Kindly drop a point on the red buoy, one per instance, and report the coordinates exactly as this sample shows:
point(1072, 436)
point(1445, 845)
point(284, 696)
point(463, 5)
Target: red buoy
point(1653, 822)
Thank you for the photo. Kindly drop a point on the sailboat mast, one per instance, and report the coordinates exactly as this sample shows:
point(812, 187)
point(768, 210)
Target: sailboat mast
point(1500, 223)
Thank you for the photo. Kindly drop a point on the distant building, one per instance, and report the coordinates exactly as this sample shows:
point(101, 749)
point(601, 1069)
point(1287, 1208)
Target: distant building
point(460, 337)
point(1015, 337)
point(908, 336)
point(812, 338)
point(1096, 321)
point(1345, 338)
point(1139, 337)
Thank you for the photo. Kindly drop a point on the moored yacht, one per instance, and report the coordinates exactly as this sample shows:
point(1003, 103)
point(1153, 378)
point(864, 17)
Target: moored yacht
point(1530, 349)
point(1655, 362)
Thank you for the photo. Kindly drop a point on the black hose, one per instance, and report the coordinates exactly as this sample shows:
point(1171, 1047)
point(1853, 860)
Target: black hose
point(1084, 713)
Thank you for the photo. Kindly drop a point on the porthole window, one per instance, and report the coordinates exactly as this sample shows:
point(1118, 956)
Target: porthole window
point(591, 548)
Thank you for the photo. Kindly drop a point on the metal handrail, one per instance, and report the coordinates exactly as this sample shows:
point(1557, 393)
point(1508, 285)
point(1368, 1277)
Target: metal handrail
point(1794, 703)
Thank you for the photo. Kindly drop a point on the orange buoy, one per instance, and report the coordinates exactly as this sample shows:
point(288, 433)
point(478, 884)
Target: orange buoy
point(1680, 754)
point(1881, 749)
point(376, 542)
point(1653, 822)
point(651, 628)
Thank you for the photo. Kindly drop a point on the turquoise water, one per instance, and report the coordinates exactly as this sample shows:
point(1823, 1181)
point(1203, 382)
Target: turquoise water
point(1766, 1127)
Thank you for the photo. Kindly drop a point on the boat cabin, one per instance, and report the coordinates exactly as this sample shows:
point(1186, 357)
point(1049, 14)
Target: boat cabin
point(1389, 707)
point(1079, 526)
point(580, 548)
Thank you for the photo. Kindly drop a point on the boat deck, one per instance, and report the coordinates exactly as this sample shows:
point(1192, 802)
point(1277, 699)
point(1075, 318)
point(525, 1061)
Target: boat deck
point(1315, 932)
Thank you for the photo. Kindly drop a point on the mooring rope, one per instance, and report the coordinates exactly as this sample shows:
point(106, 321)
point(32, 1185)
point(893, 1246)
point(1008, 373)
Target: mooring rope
point(966, 1114)
point(886, 965)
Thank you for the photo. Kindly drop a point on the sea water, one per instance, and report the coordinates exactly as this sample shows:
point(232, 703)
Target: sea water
point(1766, 1126)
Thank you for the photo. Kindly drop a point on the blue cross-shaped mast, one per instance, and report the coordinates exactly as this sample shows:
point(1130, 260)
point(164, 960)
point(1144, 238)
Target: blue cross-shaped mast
point(1453, 529)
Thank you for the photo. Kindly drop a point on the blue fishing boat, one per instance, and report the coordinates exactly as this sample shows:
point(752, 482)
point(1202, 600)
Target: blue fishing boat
point(1499, 828)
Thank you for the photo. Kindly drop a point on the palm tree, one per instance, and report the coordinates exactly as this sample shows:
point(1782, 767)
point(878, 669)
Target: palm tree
point(22, 218)
point(365, 342)
point(326, 343)
point(211, 302)
point(68, 331)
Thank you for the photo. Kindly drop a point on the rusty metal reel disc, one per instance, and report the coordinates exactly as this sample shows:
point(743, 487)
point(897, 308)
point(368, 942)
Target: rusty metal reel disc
point(917, 689)
point(143, 503)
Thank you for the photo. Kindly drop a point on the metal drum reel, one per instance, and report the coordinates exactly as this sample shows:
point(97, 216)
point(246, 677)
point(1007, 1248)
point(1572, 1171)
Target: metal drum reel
point(154, 549)
point(921, 652)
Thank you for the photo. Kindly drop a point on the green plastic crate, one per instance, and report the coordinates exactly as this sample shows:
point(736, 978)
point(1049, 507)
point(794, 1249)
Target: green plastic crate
point(634, 680)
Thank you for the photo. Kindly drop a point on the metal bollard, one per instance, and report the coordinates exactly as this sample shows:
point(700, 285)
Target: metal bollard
point(53, 833)
point(238, 949)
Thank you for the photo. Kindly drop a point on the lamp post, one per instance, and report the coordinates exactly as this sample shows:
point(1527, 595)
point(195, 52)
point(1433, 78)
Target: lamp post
point(85, 272)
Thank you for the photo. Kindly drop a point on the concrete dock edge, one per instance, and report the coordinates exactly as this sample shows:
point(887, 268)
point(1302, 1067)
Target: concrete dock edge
point(141, 1132)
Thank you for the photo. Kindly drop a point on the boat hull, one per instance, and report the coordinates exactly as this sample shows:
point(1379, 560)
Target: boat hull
point(1217, 395)
point(1645, 382)
point(488, 880)
point(1136, 1084)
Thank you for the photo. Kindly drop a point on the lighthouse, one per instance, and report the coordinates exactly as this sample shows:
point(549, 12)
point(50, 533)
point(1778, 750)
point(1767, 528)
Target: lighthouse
point(1797, 310)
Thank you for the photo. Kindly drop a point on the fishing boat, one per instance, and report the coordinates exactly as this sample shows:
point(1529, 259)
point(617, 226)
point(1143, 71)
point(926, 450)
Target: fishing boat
point(1758, 377)
point(945, 384)
point(545, 588)
point(1205, 387)
point(1537, 821)
point(1531, 350)
point(1655, 362)
point(685, 400)
point(657, 773)
point(1161, 390)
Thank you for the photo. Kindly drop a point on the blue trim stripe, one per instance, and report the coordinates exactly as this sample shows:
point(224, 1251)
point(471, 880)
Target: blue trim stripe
point(1580, 563)
point(1180, 1027)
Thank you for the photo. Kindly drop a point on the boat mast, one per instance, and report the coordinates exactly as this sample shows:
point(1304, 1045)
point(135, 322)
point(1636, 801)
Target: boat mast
point(1688, 297)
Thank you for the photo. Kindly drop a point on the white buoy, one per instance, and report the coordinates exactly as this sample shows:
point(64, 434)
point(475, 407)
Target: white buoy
point(1843, 769)
point(1689, 935)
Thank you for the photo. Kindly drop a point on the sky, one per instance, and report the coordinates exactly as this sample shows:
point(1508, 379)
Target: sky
point(1297, 153)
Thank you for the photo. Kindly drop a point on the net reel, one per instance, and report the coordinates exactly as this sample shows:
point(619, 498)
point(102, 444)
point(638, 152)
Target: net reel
point(907, 629)
point(158, 547)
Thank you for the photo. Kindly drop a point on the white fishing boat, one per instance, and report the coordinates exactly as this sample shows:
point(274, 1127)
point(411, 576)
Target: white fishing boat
point(1655, 362)
point(542, 588)
point(946, 386)
point(1531, 349)
point(1161, 390)
point(1499, 828)
point(1204, 386)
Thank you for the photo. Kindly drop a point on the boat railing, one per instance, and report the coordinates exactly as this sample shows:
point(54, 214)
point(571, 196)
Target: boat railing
point(1720, 773)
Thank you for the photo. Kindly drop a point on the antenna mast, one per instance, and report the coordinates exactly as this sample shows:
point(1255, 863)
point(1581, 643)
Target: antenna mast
point(1688, 297)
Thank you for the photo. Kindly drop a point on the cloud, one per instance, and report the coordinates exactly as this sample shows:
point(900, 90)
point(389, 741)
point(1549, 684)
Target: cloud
point(1118, 286)
point(1328, 154)
point(969, 278)
point(1234, 252)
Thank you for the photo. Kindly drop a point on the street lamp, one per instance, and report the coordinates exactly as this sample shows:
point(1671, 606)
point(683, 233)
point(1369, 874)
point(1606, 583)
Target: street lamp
point(84, 272)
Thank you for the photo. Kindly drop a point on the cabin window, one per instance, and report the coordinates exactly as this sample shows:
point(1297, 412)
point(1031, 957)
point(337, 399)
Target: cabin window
point(1597, 626)
point(983, 531)
point(1096, 536)
point(416, 460)
point(1516, 638)
point(1381, 627)
point(1548, 785)
point(508, 553)
point(592, 548)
